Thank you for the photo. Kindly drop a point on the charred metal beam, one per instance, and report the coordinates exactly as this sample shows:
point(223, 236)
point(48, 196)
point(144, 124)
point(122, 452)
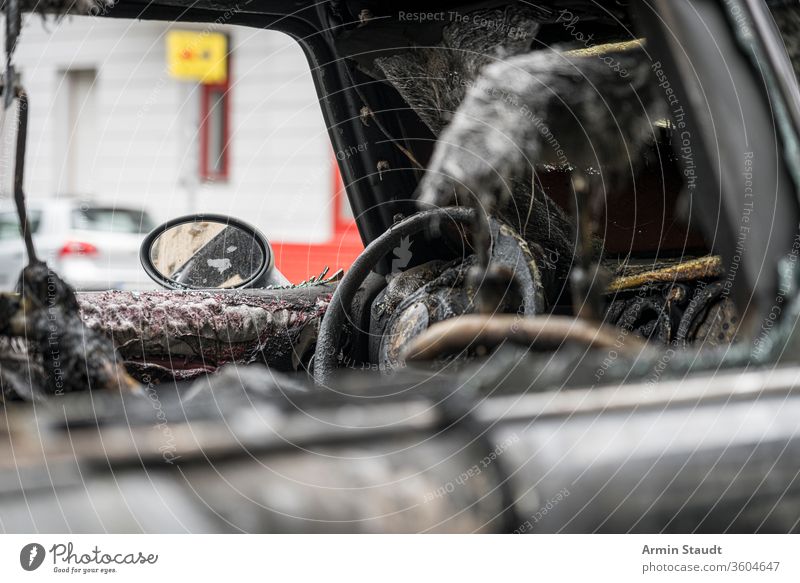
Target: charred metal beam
point(725, 133)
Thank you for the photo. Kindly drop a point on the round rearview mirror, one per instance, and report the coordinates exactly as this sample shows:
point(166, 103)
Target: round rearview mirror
point(208, 252)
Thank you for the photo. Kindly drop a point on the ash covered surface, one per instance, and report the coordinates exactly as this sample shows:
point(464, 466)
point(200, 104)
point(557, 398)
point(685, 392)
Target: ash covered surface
point(46, 344)
point(190, 333)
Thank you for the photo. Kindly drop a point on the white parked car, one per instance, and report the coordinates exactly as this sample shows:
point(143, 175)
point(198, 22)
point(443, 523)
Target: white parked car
point(91, 247)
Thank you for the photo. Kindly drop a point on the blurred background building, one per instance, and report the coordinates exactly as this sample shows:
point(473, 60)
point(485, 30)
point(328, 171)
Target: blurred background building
point(121, 118)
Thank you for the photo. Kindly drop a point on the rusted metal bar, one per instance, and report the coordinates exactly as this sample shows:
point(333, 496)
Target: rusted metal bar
point(473, 331)
point(709, 267)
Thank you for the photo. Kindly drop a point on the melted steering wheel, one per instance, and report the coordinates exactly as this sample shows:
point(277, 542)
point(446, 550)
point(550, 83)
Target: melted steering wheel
point(337, 314)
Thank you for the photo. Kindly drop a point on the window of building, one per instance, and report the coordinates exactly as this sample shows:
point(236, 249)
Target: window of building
point(215, 131)
point(78, 132)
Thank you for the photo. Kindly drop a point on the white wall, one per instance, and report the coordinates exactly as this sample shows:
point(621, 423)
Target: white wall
point(146, 124)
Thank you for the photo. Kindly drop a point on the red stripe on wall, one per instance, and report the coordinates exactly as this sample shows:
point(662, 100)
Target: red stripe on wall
point(300, 261)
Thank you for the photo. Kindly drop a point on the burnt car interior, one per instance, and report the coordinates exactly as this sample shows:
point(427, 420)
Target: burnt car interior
point(581, 230)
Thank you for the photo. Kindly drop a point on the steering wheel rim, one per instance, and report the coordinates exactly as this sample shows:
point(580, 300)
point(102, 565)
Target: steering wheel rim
point(336, 314)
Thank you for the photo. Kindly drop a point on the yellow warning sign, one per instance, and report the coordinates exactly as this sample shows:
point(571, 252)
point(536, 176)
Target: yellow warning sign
point(197, 56)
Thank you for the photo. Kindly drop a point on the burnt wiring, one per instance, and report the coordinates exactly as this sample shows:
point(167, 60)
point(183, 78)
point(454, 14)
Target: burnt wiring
point(368, 113)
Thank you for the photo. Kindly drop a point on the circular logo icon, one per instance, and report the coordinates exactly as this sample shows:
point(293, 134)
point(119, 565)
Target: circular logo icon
point(31, 556)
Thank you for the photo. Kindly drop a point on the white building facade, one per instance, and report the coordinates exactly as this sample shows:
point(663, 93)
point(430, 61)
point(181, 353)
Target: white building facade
point(109, 124)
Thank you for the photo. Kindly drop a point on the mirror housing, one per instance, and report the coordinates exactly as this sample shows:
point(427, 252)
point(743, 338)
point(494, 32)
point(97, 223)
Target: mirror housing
point(209, 251)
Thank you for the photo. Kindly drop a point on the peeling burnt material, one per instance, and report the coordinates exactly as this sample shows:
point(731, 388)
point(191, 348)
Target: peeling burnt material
point(22, 375)
point(185, 334)
point(435, 292)
point(444, 297)
point(508, 114)
point(434, 81)
point(72, 357)
point(682, 313)
point(401, 286)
